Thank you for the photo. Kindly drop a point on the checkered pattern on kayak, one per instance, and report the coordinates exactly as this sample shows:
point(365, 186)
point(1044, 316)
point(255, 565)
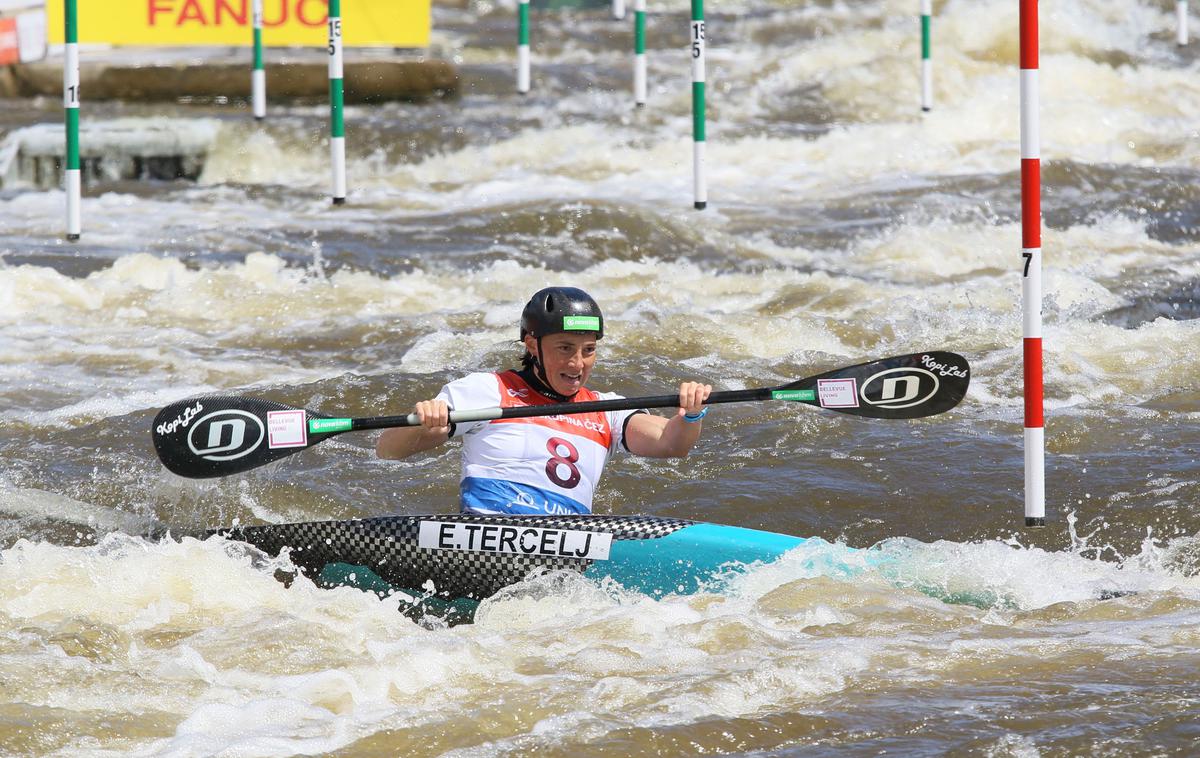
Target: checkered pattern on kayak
point(388, 546)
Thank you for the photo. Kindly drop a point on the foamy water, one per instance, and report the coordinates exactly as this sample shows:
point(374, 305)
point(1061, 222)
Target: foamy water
point(228, 661)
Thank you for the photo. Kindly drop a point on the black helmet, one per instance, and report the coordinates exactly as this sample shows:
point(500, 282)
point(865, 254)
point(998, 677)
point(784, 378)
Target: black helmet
point(561, 309)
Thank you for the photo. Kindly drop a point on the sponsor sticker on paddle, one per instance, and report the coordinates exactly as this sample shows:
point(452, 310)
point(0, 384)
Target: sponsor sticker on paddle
point(795, 396)
point(327, 425)
point(287, 429)
point(837, 393)
point(516, 540)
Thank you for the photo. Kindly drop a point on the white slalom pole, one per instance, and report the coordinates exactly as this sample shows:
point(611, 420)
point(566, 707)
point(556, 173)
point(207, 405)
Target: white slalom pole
point(337, 131)
point(1031, 262)
point(618, 9)
point(73, 180)
point(639, 53)
point(699, 185)
point(258, 76)
point(523, 46)
point(1181, 22)
point(926, 62)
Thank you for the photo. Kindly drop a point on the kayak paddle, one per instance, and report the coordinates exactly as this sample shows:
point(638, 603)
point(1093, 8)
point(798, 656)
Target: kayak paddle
point(219, 435)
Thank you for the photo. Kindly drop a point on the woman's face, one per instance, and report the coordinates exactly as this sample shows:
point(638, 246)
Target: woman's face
point(567, 358)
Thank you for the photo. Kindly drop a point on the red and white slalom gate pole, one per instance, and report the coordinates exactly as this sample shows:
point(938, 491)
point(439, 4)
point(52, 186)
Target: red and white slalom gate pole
point(1031, 262)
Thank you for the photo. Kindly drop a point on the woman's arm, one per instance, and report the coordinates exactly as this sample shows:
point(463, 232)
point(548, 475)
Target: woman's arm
point(658, 437)
point(410, 440)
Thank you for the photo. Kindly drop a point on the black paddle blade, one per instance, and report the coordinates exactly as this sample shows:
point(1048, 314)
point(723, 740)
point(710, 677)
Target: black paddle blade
point(900, 387)
point(218, 435)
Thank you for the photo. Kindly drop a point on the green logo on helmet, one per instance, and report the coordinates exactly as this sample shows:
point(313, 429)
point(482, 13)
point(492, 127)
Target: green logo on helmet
point(581, 323)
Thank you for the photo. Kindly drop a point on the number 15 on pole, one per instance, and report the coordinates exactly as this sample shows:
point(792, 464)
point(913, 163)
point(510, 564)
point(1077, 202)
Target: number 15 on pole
point(337, 132)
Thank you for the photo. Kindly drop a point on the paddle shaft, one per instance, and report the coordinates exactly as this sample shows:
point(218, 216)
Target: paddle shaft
point(555, 409)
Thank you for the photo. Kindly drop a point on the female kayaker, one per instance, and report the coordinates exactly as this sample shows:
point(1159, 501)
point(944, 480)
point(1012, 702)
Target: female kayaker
point(546, 464)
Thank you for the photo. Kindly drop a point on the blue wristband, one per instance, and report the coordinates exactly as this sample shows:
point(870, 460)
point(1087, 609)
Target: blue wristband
point(693, 419)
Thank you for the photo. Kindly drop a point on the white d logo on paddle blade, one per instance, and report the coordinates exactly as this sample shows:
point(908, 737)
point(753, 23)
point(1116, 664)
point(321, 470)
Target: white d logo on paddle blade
point(899, 387)
point(226, 435)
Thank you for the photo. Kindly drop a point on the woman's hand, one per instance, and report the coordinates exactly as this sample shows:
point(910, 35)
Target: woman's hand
point(434, 430)
point(434, 415)
point(692, 396)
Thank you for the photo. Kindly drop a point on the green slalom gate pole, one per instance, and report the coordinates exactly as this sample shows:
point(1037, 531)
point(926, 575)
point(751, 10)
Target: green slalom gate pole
point(258, 77)
point(639, 53)
point(699, 186)
point(73, 182)
point(337, 133)
point(523, 46)
point(926, 63)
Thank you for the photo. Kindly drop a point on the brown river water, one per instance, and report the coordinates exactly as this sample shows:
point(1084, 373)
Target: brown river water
point(842, 226)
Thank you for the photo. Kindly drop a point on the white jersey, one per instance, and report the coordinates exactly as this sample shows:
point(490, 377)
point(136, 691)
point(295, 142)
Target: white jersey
point(544, 464)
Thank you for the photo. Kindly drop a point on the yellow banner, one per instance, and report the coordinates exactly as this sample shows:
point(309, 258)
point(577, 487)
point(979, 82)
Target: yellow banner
point(286, 23)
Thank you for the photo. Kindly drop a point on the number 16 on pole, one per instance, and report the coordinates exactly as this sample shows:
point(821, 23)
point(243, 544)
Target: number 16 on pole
point(699, 186)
